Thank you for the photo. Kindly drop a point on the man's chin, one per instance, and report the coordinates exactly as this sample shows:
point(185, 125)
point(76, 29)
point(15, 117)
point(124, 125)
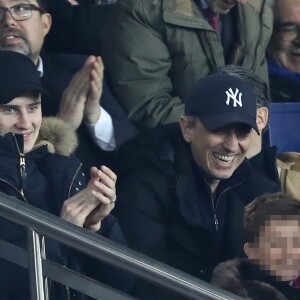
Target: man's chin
point(15, 48)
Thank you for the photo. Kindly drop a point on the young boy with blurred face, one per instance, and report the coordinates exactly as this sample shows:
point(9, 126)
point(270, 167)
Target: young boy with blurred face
point(272, 270)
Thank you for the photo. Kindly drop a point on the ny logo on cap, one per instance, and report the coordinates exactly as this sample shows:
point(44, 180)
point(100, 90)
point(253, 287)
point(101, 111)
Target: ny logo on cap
point(236, 97)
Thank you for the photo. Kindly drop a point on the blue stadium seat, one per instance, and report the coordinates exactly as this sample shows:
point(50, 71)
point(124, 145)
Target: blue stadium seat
point(284, 126)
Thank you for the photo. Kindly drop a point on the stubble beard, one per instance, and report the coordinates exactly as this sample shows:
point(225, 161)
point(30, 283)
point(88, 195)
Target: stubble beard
point(24, 47)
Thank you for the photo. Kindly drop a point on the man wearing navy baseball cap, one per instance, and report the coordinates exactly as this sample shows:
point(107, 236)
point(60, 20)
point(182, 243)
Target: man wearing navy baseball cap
point(183, 186)
point(220, 112)
point(219, 100)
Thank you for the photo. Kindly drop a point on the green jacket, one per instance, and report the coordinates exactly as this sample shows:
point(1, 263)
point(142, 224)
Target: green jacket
point(155, 49)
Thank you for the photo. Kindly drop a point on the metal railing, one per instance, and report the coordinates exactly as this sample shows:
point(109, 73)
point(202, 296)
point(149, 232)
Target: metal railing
point(41, 223)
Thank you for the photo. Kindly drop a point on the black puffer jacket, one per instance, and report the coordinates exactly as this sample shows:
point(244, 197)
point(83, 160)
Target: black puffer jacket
point(49, 176)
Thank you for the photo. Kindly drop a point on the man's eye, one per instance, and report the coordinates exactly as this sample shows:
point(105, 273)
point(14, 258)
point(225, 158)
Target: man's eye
point(33, 107)
point(7, 110)
point(243, 132)
point(21, 8)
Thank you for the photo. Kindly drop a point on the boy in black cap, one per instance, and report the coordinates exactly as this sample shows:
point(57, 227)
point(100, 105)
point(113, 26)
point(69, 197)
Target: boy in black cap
point(178, 199)
point(37, 166)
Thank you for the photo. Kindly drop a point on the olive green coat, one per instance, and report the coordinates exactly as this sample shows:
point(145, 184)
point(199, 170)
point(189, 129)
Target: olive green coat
point(154, 50)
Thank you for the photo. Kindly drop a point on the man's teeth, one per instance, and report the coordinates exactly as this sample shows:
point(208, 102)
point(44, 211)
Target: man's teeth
point(10, 37)
point(227, 159)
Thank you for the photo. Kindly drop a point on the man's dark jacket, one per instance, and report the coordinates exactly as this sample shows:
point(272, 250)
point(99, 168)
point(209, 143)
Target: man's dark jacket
point(58, 71)
point(166, 211)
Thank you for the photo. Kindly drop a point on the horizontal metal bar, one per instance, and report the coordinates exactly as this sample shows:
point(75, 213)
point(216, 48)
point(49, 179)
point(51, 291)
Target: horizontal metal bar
point(14, 254)
point(109, 251)
point(61, 274)
point(81, 283)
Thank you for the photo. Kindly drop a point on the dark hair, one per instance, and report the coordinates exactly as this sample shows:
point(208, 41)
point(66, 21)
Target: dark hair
point(42, 4)
point(278, 206)
point(260, 88)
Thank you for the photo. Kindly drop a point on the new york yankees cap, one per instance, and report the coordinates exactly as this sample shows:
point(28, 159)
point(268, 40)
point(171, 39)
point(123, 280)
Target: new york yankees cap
point(221, 99)
point(18, 75)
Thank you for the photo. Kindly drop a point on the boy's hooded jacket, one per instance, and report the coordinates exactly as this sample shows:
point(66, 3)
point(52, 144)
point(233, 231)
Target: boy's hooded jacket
point(45, 177)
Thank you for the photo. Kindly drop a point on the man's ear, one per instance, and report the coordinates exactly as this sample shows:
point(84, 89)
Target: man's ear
point(250, 250)
point(185, 128)
point(47, 22)
point(246, 249)
point(262, 116)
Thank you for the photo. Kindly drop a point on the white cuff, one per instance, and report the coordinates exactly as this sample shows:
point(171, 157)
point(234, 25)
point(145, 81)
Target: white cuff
point(103, 132)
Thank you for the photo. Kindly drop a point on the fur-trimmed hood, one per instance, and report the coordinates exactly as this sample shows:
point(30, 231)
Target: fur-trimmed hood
point(58, 135)
point(235, 276)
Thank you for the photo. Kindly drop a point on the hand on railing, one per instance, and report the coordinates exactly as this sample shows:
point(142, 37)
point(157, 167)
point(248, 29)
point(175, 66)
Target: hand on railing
point(91, 205)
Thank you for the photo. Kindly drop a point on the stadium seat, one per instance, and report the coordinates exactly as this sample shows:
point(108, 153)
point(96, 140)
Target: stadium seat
point(284, 126)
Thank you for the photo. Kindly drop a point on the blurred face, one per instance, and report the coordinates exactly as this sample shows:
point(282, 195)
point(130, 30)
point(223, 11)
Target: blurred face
point(217, 153)
point(277, 250)
point(285, 42)
point(22, 115)
point(27, 36)
point(223, 6)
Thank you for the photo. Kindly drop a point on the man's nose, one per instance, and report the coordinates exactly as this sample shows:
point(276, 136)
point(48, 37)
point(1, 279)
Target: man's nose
point(8, 20)
point(24, 121)
point(231, 141)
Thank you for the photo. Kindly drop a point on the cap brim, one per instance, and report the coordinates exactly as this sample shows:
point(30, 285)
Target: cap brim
point(216, 121)
point(17, 92)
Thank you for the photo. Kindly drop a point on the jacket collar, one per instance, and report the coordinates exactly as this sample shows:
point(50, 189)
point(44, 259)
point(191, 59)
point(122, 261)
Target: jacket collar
point(194, 192)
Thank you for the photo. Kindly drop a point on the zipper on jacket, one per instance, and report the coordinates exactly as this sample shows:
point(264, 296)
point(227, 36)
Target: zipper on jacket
point(215, 204)
point(22, 165)
point(216, 222)
point(214, 207)
point(18, 191)
point(23, 173)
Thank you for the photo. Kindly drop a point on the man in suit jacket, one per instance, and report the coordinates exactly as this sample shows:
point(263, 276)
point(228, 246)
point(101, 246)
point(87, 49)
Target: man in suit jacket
point(74, 84)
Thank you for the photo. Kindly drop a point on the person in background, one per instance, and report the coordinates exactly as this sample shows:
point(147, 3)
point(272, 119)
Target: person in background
point(271, 271)
point(284, 52)
point(75, 83)
point(182, 187)
point(77, 25)
point(155, 50)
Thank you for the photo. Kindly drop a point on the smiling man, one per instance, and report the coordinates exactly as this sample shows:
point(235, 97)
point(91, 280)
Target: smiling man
point(183, 186)
point(14, 117)
point(37, 166)
point(284, 52)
